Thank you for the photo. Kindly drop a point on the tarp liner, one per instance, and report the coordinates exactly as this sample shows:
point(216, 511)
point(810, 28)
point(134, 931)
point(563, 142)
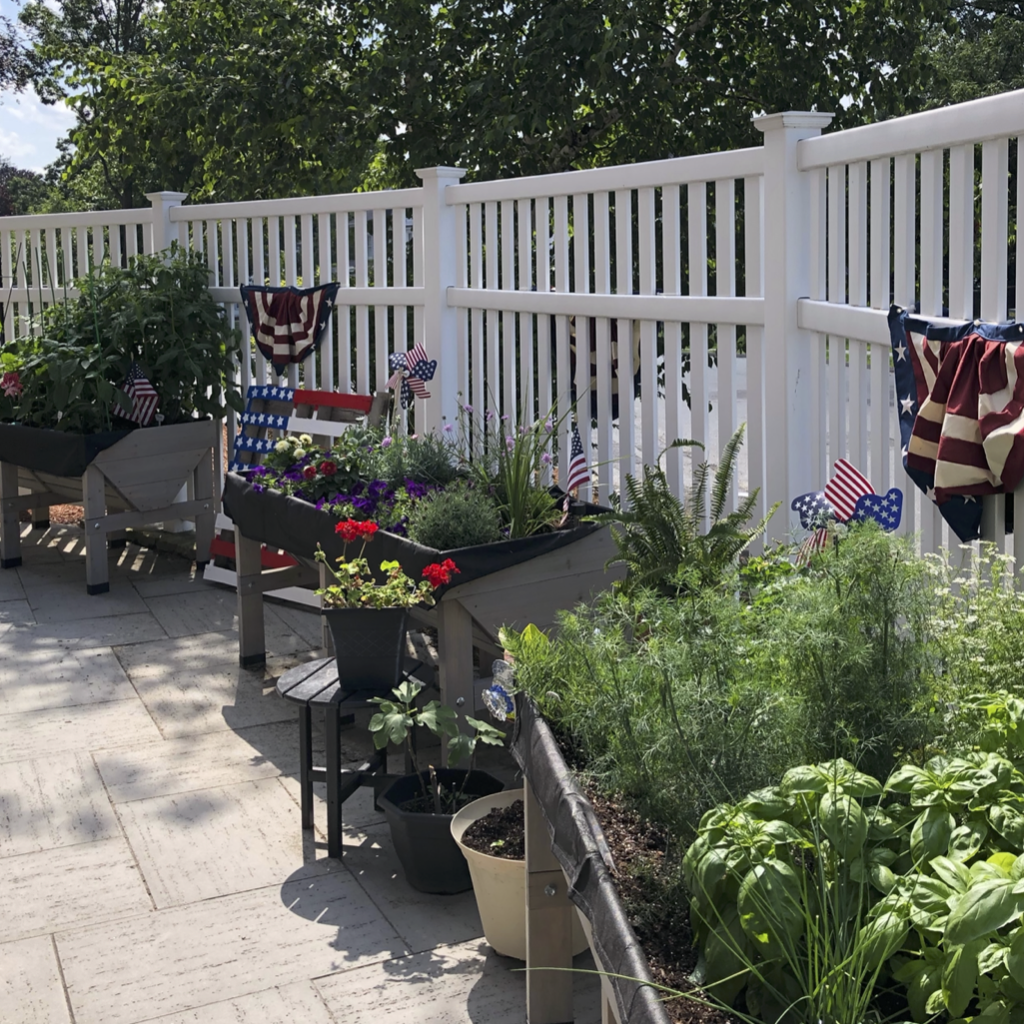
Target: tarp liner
point(297, 527)
point(53, 451)
point(578, 843)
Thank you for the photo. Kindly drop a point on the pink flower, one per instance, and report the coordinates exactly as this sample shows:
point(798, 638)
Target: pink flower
point(10, 384)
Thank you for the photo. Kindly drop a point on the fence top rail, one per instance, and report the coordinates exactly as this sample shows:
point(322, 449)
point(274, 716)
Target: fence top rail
point(87, 219)
point(993, 117)
point(342, 202)
point(731, 164)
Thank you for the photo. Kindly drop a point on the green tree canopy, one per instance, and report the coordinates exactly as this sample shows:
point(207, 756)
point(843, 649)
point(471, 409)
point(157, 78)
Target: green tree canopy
point(235, 99)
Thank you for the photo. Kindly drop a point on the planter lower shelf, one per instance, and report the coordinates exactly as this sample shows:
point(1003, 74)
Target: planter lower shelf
point(568, 865)
point(125, 479)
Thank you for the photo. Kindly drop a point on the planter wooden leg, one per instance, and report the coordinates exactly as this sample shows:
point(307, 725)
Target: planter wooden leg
point(548, 925)
point(94, 501)
point(455, 649)
point(41, 518)
point(10, 531)
point(205, 520)
point(252, 644)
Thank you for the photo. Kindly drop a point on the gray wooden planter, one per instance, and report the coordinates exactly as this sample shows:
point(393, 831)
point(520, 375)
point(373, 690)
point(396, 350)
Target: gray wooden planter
point(131, 482)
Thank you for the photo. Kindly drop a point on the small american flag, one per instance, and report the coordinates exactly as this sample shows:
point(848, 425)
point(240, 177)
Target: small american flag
point(845, 488)
point(578, 472)
point(813, 544)
point(143, 396)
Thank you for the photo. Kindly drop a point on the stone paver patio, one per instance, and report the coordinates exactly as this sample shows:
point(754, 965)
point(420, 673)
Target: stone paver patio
point(152, 866)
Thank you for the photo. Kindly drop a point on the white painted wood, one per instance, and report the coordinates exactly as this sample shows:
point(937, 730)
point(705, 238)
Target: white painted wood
point(493, 361)
point(650, 446)
point(994, 194)
point(624, 330)
point(509, 384)
point(672, 278)
point(753, 226)
point(725, 285)
point(961, 232)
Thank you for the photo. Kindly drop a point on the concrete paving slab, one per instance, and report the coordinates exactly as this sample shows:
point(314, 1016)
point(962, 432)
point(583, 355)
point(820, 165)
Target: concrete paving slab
point(60, 602)
point(76, 885)
point(181, 654)
point(57, 801)
point(34, 676)
point(302, 621)
point(16, 612)
point(423, 920)
point(194, 846)
point(110, 631)
point(459, 984)
point(168, 584)
point(10, 586)
point(286, 1004)
point(357, 814)
point(221, 949)
point(37, 734)
point(225, 697)
point(200, 762)
point(30, 987)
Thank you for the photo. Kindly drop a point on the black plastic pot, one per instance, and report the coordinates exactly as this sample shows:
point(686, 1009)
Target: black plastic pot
point(369, 645)
point(430, 856)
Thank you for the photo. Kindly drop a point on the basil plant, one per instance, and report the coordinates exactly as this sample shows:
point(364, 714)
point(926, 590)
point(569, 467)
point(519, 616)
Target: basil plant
point(813, 896)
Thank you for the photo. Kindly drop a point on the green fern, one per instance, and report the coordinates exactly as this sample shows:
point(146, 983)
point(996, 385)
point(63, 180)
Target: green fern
point(662, 541)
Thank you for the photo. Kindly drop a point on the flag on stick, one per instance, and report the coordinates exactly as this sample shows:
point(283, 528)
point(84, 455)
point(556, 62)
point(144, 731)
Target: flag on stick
point(143, 397)
point(578, 472)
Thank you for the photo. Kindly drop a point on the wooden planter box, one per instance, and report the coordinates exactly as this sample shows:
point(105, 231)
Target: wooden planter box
point(508, 583)
point(121, 479)
point(568, 866)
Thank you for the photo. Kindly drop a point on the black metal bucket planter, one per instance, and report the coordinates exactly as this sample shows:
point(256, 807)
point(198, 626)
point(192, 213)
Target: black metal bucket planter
point(369, 646)
point(429, 855)
point(570, 858)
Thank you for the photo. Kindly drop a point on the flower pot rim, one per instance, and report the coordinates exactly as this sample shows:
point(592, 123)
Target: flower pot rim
point(384, 798)
point(515, 794)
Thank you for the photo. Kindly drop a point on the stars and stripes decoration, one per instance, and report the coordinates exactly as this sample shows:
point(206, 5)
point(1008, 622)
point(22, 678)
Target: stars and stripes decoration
point(288, 323)
point(578, 472)
point(848, 497)
point(411, 369)
point(143, 397)
point(960, 405)
point(257, 416)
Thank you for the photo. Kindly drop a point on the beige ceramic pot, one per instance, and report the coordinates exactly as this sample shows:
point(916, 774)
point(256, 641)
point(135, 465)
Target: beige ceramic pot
point(500, 884)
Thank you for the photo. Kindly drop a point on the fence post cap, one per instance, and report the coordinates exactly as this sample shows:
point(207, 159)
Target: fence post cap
point(167, 197)
point(426, 173)
point(792, 119)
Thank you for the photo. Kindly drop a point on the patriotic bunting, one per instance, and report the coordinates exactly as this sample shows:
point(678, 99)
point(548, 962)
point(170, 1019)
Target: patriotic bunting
point(411, 369)
point(960, 405)
point(288, 323)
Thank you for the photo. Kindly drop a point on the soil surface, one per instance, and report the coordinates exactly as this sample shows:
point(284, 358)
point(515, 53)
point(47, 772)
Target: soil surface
point(658, 915)
point(66, 514)
point(501, 832)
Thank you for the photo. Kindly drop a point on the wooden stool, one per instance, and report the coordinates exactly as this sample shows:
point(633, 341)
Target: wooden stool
point(315, 684)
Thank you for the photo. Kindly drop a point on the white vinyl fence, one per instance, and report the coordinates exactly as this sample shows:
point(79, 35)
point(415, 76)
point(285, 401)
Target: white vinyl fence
point(610, 288)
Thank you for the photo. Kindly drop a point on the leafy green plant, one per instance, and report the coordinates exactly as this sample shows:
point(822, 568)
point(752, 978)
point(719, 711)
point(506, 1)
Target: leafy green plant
point(354, 584)
point(423, 458)
point(397, 720)
point(457, 517)
point(509, 461)
point(158, 312)
point(662, 541)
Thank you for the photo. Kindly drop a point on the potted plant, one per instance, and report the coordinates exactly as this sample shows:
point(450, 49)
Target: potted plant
point(419, 807)
point(367, 612)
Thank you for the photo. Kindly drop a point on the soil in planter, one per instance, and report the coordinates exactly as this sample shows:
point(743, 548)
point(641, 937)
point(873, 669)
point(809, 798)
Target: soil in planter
point(425, 804)
point(501, 832)
point(659, 918)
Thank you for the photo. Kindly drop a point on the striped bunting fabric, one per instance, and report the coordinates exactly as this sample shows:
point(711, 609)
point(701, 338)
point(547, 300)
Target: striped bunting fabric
point(288, 323)
point(960, 403)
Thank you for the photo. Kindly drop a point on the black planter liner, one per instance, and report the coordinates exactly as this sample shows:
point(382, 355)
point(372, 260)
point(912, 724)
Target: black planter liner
point(369, 645)
point(53, 451)
point(297, 527)
point(582, 851)
point(430, 856)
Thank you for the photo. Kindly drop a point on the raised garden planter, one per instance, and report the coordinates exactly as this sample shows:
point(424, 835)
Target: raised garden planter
point(121, 478)
point(568, 863)
point(511, 582)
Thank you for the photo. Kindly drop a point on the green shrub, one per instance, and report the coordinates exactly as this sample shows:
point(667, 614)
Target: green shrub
point(853, 637)
point(663, 542)
point(457, 517)
point(157, 312)
point(424, 458)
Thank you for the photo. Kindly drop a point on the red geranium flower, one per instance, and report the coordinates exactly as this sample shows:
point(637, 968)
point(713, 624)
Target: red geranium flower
point(328, 468)
point(439, 574)
point(309, 472)
point(348, 530)
point(367, 529)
